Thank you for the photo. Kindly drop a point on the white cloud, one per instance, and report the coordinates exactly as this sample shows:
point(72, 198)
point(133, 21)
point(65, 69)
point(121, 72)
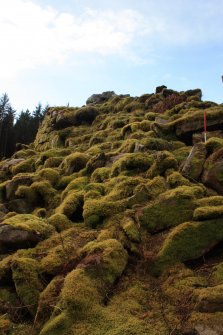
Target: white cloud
point(32, 35)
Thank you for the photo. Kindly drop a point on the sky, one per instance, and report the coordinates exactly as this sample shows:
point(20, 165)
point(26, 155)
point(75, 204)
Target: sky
point(59, 52)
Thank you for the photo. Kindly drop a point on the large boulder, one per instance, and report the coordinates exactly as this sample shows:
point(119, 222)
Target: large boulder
point(100, 98)
point(213, 171)
point(189, 241)
point(9, 163)
point(193, 121)
point(170, 208)
point(23, 231)
point(12, 238)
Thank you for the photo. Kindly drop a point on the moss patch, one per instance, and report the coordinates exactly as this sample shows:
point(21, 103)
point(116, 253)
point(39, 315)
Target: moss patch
point(182, 243)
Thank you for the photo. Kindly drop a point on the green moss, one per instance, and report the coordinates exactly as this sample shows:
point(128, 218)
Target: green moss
point(26, 272)
point(75, 184)
point(52, 162)
point(49, 298)
point(100, 175)
point(131, 162)
point(24, 153)
point(208, 212)
point(216, 200)
point(181, 154)
point(30, 222)
point(127, 146)
point(163, 160)
point(60, 253)
point(183, 244)
point(118, 124)
point(65, 180)
point(50, 175)
point(25, 166)
point(72, 206)
point(171, 208)
point(80, 294)
point(59, 221)
point(58, 325)
point(133, 106)
point(153, 143)
point(130, 229)
point(27, 193)
point(122, 188)
point(179, 283)
point(112, 259)
point(216, 277)
point(76, 116)
point(74, 162)
point(23, 329)
point(120, 195)
point(176, 179)
point(122, 103)
point(133, 127)
point(45, 192)
point(40, 212)
point(54, 153)
point(155, 187)
point(209, 299)
point(151, 116)
point(213, 144)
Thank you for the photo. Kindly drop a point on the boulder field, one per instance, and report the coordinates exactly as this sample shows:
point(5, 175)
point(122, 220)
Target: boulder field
point(111, 222)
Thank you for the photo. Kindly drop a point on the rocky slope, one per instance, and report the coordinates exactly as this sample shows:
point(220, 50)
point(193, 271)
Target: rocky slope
point(112, 221)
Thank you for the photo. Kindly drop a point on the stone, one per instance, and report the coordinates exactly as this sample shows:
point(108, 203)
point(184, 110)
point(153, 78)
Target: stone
point(100, 98)
point(9, 163)
point(193, 166)
point(12, 238)
point(20, 206)
point(195, 122)
point(213, 172)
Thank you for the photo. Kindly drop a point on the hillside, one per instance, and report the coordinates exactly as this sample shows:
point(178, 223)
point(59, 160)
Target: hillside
point(112, 220)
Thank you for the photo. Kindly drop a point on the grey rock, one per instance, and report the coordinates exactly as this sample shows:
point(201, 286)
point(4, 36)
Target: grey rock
point(194, 163)
point(10, 163)
point(12, 238)
point(100, 98)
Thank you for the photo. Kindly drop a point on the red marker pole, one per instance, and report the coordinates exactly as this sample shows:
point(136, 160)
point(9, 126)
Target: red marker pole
point(205, 127)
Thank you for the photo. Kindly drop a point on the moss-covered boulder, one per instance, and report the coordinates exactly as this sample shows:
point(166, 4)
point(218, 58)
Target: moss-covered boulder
point(26, 276)
point(171, 208)
point(132, 163)
point(209, 299)
point(74, 162)
point(213, 171)
point(163, 160)
point(23, 231)
point(190, 240)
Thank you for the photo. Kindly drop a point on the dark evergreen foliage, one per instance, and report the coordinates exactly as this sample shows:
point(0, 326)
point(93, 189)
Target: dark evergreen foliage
point(20, 129)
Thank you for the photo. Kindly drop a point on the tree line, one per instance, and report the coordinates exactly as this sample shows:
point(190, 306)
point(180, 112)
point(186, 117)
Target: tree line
point(21, 128)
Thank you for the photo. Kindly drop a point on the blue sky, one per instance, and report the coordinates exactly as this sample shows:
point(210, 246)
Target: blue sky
point(56, 52)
